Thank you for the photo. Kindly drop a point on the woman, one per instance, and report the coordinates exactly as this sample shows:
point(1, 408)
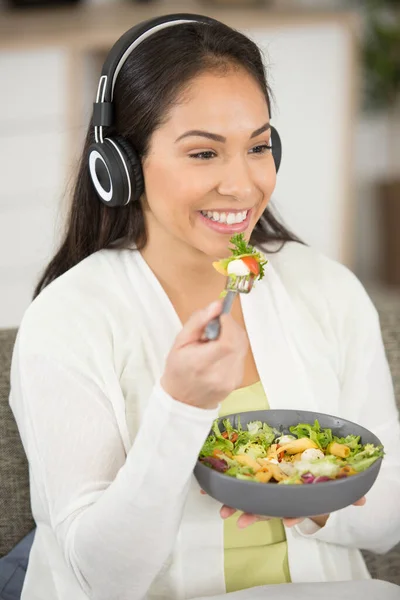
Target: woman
point(112, 389)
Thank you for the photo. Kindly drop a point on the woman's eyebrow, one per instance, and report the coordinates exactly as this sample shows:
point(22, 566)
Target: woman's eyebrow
point(216, 137)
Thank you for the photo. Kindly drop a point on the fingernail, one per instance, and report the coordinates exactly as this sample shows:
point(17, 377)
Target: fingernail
point(213, 306)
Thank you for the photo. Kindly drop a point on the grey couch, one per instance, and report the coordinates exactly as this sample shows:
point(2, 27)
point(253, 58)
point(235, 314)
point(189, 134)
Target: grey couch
point(15, 514)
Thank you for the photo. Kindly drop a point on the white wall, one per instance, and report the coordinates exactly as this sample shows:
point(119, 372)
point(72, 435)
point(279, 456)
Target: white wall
point(311, 79)
point(373, 163)
point(32, 164)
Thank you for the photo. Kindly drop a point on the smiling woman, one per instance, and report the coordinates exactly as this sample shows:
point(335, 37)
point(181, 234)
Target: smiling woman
point(113, 385)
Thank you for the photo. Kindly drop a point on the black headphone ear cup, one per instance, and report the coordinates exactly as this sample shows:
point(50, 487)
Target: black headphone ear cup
point(135, 166)
point(109, 173)
point(115, 171)
point(276, 148)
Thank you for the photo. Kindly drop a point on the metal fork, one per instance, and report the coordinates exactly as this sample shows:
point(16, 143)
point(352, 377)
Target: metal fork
point(234, 285)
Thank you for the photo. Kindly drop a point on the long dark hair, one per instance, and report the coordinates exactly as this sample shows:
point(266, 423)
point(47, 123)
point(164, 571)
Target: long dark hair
point(148, 84)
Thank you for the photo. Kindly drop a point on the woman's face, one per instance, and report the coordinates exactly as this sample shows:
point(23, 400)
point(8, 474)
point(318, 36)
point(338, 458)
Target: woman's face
point(209, 172)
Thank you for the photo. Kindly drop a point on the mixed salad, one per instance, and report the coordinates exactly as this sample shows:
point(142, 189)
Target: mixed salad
point(245, 261)
point(308, 454)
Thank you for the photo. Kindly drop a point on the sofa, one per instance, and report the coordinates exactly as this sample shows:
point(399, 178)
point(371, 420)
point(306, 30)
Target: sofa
point(15, 514)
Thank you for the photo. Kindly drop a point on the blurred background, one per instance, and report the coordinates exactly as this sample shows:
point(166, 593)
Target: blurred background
point(334, 68)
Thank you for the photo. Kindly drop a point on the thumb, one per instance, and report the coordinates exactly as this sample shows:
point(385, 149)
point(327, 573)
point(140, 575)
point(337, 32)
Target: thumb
point(194, 326)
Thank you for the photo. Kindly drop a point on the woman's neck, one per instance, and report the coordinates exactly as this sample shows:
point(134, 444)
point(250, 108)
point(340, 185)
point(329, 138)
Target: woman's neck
point(185, 273)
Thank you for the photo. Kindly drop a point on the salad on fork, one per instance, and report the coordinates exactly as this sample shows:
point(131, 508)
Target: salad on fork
point(246, 262)
point(242, 269)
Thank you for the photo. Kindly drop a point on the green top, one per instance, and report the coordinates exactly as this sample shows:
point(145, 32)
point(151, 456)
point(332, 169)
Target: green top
point(258, 554)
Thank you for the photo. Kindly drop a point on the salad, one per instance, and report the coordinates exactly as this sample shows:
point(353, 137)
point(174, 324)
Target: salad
point(307, 455)
point(245, 261)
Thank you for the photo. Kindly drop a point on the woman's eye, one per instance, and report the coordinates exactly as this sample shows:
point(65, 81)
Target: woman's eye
point(206, 155)
point(261, 149)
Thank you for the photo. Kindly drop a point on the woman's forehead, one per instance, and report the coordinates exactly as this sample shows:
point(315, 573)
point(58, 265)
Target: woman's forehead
point(216, 99)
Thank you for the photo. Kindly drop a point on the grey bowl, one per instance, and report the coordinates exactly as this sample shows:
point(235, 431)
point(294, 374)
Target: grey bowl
point(275, 500)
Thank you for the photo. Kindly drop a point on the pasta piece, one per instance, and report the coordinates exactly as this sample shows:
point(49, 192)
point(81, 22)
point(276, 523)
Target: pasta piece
point(277, 474)
point(272, 452)
point(263, 476)
point(264, 463)
point(347, 470)
point(297, 446)
point(296, 457)
point(340, 450)
point(247, 461)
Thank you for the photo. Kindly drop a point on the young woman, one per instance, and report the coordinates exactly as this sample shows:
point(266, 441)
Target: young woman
point(112, 388)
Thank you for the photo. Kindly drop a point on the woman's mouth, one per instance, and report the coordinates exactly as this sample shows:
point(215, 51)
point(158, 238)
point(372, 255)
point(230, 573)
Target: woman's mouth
point(226, 221)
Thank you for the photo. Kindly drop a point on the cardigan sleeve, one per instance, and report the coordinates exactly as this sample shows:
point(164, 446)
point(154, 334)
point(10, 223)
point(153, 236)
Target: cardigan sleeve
point(115, 516)
point(367, 398)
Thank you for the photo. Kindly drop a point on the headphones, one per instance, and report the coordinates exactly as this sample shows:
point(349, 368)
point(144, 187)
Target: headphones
point(114, 165)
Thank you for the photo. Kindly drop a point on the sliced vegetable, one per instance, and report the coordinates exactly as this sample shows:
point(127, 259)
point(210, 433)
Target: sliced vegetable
point(215, 463)
point(252, 264)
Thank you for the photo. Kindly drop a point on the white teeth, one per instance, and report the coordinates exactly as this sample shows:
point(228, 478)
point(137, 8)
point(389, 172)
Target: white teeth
point(228, 218)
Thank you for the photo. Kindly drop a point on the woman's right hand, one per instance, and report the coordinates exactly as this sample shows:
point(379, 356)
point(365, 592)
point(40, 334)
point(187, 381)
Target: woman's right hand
point(202, 373)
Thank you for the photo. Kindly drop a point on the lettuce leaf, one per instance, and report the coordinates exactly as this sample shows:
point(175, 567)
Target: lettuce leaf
point(228, 427)
point(257, 434)
point(213, 443)
point(321, 437)
point(218, 435)
point(365, 463)
point(352, 441)
point(252, 449)
point(365, 457)
point(236, 470)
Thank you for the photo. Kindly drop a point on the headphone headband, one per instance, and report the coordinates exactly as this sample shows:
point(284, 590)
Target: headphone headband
point(102, 109)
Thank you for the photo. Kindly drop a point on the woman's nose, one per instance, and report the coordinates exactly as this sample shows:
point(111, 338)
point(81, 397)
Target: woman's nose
point(237, 181)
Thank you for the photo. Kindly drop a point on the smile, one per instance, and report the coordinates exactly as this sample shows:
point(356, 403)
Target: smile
point(230, 218)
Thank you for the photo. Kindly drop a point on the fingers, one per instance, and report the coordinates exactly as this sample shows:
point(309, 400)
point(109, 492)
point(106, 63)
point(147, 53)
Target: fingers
point(360, 502)
point(227, 511)
point(246, 519)
point(292, 522)
point(194, 326)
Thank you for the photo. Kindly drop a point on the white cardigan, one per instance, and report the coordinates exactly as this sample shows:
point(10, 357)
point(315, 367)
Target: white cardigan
point(118, 512)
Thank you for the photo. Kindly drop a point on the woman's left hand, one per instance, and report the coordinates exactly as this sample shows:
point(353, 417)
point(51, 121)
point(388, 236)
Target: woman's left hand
point(247, 519)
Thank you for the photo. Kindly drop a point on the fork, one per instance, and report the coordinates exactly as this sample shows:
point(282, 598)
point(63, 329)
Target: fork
point(234, 285)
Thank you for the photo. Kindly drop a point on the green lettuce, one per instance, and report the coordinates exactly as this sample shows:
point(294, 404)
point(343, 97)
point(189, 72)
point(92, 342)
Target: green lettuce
point(257, 434)
point(252, 449)
point(352, 441)
point(365, 457)
point(213, 443)
point(236, 470)
point(321, 437)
